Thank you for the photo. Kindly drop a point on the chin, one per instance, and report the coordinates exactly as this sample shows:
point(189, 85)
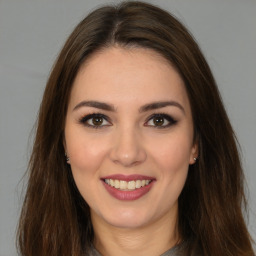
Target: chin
point(127, 218)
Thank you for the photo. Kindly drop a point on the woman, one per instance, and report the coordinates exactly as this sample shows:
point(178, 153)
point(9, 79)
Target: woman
point(134, 153)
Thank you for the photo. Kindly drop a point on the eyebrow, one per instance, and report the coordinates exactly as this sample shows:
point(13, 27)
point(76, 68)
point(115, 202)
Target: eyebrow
point(95, 104)
point(161, 104)
point(144, 108)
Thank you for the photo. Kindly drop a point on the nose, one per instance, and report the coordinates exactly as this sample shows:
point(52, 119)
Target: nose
point(128, 149)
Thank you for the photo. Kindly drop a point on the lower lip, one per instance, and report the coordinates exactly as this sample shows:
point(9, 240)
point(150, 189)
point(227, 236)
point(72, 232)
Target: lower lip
point(128, 195)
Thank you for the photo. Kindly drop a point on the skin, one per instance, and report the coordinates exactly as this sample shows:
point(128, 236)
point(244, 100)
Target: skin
point(129, 143)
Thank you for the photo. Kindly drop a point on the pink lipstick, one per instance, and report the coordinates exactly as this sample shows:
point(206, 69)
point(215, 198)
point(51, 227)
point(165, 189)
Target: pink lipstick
point(128, 187)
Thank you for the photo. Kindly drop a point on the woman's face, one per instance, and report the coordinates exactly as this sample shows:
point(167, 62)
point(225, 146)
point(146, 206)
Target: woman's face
point(129, 136)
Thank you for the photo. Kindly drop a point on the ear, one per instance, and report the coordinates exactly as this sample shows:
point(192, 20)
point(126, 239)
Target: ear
point(194, 153)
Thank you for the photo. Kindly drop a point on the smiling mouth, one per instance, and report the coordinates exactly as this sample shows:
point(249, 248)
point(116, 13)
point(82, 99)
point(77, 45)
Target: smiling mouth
point(127, 185)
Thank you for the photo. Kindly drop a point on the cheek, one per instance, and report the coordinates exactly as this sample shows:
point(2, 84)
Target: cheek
point(170, 160)
point(173, 153)
point(86, 157)
point(86, 153)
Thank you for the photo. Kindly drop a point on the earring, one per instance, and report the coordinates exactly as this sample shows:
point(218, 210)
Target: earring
point(67, 158)
point(195, 159)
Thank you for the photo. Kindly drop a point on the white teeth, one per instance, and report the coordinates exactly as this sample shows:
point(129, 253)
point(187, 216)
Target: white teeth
point(131, 185)
point(124, 185)
point(138, 184)
point(112, 183)
point(117, 184)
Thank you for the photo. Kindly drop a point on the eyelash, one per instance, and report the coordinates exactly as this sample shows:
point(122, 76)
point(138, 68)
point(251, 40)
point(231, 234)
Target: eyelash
point(171, 120)
point(84, 120)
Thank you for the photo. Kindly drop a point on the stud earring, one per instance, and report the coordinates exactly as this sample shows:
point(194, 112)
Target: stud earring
point(195, 159)
point(67, 158)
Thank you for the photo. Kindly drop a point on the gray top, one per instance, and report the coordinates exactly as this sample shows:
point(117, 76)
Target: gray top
point(177, 250)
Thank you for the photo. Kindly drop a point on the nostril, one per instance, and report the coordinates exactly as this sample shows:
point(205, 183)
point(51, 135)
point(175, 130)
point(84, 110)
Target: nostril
point(127, 146)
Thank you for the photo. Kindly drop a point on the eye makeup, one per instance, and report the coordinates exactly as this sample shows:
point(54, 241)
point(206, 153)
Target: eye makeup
point(95, 120)
point(156, 120)
point(160, 121)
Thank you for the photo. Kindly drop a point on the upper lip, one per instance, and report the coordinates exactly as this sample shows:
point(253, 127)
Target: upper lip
point(128, 177)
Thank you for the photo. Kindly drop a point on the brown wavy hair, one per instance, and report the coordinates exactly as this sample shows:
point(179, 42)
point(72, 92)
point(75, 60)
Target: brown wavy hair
point(55, 220)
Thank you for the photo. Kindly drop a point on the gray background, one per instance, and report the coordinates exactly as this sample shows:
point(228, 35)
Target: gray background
point(31, 35)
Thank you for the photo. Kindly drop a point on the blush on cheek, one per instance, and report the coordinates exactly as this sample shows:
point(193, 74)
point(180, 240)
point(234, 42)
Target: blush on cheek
point(175, 167)
point(86, 160)
point(175, 154)
point(83, 166)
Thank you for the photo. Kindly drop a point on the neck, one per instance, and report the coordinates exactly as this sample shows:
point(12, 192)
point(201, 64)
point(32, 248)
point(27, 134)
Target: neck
point(152, 239)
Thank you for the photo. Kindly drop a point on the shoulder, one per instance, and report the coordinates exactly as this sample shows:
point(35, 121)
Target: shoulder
point(182, 249)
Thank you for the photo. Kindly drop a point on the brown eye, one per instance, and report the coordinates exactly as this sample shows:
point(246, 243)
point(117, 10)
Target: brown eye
point(97, 121)
point(158, 121)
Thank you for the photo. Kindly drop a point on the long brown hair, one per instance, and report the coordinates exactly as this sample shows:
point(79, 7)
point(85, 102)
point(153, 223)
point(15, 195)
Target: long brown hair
point(55, 220)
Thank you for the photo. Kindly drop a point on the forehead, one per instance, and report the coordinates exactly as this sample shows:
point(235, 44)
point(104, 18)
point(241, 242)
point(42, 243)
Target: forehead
point(124, 75)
